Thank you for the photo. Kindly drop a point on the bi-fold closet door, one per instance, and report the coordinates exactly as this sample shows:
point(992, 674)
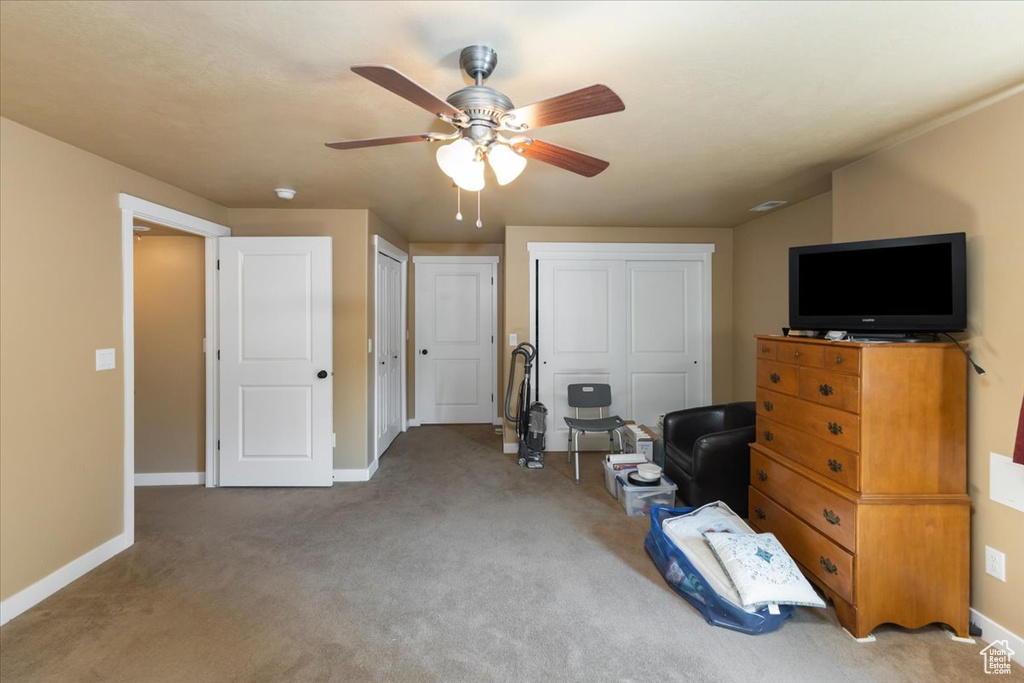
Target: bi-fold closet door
point(638, 320)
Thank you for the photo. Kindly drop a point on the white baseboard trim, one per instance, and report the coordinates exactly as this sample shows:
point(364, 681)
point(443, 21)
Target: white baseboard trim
point(510, 448)
point(170, 479)
point(47, 586)
point(497, 422)
point(356, 474)
point(991, 632)
point(413, 422)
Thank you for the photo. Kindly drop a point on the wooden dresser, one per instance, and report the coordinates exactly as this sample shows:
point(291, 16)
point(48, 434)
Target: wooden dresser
point(860, 470)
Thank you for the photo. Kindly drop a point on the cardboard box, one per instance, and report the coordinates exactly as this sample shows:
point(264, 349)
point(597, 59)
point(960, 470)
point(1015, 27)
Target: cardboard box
point(639, 439)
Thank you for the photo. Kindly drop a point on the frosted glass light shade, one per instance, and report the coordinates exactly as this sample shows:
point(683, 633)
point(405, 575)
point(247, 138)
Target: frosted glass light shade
point(455, 157)
point(506, 163)
point(470, 176)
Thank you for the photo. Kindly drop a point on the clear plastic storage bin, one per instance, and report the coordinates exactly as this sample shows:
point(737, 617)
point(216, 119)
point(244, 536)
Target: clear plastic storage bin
point(638, 500)
point(610, 473)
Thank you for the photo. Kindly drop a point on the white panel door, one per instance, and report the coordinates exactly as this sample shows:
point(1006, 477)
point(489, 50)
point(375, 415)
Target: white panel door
point(275, 361)
point(580, 338)
point(389, 351)
point(665, 337)
point(454, 343)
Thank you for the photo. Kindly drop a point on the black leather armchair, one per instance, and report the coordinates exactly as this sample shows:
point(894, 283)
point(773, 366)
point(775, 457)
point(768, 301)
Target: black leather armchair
point(707, 453)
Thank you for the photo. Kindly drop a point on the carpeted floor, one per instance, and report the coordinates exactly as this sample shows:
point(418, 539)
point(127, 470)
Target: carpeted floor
point(452, 564)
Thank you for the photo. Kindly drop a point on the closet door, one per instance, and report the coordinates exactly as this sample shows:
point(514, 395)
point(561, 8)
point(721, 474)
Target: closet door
point(638, 322)
point(664, 323)
point(581, 338)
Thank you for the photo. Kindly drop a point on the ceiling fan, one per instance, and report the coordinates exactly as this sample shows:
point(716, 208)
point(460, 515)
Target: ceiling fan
point(481, 115)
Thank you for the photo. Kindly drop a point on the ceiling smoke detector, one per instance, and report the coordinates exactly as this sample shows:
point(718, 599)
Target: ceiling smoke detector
point(768, 206)
point(285, 193)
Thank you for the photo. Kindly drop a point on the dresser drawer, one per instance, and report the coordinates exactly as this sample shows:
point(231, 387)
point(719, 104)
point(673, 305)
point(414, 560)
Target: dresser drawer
point(836, 427)
point(778, 376)
point(836, 463)
point(842, 359)
point(766, 349)
point(830, 389)
point(818, 555)
point(809, 355)
point(822, 509)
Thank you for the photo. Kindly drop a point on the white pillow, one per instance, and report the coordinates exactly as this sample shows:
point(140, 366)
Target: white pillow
point(687, 533)
point(762, 570)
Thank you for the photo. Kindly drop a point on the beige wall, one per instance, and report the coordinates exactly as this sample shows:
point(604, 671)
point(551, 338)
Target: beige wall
point(454, 249)
point(966, 176)
point(170, 367)
point(761, 277)
point(348, 229)
point(517, 286)
point(61, 422)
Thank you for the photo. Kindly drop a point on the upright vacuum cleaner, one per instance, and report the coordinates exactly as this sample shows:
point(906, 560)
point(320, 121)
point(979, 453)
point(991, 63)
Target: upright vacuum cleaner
point(530, 419)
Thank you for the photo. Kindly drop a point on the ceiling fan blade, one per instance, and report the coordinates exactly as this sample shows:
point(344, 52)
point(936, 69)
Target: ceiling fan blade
point(594, 100)
point(563, 157)
point(377, 142)
point(394, 80)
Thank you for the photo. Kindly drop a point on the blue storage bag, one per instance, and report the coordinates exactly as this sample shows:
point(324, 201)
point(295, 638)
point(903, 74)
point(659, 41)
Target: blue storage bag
point(684, 579)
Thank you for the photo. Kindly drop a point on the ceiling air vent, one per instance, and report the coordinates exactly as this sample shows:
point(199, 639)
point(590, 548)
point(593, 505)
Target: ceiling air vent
point(768, 206)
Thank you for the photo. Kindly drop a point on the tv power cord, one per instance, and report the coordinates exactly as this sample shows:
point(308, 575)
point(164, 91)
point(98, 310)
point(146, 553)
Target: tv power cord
point(977, 368)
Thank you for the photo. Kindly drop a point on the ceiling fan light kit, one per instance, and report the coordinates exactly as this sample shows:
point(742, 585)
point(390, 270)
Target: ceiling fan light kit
point(480, 114)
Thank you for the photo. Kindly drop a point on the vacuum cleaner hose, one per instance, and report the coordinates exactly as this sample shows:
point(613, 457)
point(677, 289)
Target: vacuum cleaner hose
point(529, 353)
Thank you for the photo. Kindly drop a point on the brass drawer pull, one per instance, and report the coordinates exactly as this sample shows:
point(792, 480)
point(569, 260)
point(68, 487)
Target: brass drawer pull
point(765, 349)
point(768, 436)
point(769, 406)
point(762, 475)
point(828, 566)
point(839, 360)
point(835, 465)
point(760, 513)
point(830, 517)
point(796, 353)
point(825, 389)
point(774, 377)
point(835, 428)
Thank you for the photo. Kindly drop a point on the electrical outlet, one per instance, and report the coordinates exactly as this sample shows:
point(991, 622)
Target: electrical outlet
point(995, 563)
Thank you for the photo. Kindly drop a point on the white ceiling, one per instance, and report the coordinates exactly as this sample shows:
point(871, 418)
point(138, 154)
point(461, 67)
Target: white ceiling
point(727, 104)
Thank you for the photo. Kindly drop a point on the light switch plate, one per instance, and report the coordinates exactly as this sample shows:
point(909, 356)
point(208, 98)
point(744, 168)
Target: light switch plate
point(513, 339)
point(105, 359)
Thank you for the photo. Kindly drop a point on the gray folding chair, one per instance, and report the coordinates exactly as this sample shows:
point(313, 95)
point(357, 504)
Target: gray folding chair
point(591, 396)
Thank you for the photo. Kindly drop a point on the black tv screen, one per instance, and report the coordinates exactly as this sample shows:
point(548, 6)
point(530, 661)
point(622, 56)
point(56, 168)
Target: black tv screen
point(909, 284)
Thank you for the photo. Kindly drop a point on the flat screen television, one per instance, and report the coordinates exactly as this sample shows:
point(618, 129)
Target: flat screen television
point(904, 285)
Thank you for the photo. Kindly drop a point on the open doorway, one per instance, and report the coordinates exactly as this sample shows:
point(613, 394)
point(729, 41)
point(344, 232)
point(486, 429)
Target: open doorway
point(170, 376)
point(135, 210)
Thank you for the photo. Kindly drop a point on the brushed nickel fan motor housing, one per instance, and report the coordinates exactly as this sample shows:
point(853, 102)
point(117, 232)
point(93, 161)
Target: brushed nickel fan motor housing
point(481, 103)
point(484, 106)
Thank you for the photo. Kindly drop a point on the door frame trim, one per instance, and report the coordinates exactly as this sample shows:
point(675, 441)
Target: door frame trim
point(382, 246)
point(471, 260)
point(631, 251)
point(132, 208)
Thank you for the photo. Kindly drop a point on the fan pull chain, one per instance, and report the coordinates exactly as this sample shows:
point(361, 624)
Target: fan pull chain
point(479, 223)
point(458, 193)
